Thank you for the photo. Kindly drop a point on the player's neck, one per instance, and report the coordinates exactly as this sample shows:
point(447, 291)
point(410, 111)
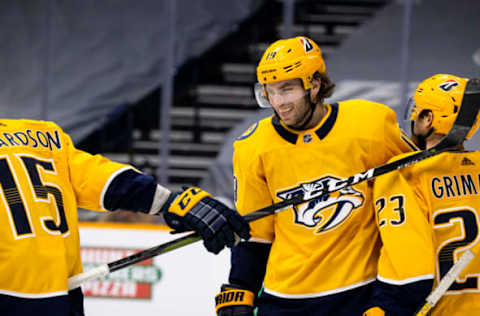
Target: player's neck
point(434, 139)
point(319, 113)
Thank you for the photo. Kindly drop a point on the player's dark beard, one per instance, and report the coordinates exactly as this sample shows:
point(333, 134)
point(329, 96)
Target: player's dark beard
point(307, 117)
point(420, 140)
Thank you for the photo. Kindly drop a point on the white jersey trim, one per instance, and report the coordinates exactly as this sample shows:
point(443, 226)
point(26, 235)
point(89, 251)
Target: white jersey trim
point(259, 240)
point(406, 281)
point(40, 295)
point(320, 294)
point(107, 184)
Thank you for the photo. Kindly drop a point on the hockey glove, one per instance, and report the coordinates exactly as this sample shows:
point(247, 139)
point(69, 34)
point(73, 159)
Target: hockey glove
point(195, 209)
point(374, 311)
point(233, 300)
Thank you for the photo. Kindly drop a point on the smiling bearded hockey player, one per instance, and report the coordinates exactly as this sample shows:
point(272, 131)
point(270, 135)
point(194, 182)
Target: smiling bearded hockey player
point(320, 257)
point(429, 212)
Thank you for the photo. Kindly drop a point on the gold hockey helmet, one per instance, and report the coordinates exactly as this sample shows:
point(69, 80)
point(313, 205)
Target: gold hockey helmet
point(442, 94)
point(286, 59)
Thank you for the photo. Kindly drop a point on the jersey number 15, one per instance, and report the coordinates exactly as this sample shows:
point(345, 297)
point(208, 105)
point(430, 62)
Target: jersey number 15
point(19, 214)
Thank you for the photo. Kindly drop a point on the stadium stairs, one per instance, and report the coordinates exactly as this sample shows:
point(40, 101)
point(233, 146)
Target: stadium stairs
point(214, 92)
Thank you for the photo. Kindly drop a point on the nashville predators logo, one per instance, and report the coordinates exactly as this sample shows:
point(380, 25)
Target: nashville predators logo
point(325, 212)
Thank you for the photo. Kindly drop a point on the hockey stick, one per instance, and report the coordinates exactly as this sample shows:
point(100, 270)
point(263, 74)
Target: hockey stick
point(464, 121)
point(452, 274)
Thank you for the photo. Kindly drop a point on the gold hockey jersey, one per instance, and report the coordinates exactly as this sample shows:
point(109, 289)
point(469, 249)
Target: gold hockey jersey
point(43, 179)
point(428, 215)
point(329, 244)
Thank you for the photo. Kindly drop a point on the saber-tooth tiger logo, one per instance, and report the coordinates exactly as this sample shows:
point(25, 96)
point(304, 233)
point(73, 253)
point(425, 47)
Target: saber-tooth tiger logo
point(325, 212)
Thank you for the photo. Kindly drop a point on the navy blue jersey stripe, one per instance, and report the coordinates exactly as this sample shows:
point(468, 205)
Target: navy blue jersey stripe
point(326, 127)
point(130, 190)
point(284, 133)
point(321, 132)
point(409, 143)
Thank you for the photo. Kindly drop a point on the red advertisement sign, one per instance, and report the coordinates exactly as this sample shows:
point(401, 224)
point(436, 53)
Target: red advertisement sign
point(134, 282)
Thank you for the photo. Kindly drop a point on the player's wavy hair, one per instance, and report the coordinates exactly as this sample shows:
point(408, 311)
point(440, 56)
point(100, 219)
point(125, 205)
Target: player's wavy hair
point(326, 86)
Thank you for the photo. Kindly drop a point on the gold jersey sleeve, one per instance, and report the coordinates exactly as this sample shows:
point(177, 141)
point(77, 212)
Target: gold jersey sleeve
point(251, 189)
point(314, 241)
point(403, 222)
point(90, 176)
point(428, 215)
point(43, 180)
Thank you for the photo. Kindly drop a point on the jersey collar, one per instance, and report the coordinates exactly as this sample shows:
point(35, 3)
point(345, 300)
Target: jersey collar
point(321, 130)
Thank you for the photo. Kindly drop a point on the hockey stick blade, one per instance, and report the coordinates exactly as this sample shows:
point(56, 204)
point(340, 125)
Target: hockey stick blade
point(471, 99)
point(464, 121)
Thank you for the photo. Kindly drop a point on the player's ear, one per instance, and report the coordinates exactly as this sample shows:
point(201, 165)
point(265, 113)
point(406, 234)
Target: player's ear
point(316, 84)
point(427, 117)
point(430, 119)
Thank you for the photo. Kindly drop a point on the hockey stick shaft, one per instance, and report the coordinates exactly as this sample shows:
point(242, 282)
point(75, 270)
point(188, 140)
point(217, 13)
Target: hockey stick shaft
point(107, 268)
point(445, 283)
point(465, 120)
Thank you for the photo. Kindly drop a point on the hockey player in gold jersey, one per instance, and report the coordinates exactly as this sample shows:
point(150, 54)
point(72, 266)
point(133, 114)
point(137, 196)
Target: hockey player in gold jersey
point(428, 213)
point(318, 258)
point(43, 179)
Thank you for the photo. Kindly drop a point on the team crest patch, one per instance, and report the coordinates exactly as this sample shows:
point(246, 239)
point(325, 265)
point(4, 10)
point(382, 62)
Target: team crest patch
point(307, 138)
point(307, 45)
point(248, 132)
point(448, 85)
point(328, 211)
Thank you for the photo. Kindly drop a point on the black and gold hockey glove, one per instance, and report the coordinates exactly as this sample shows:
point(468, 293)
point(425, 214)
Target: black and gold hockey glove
point(234, 300)
point(195, 209)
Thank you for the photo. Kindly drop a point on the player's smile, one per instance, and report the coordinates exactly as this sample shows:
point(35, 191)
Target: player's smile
point(285, 112)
